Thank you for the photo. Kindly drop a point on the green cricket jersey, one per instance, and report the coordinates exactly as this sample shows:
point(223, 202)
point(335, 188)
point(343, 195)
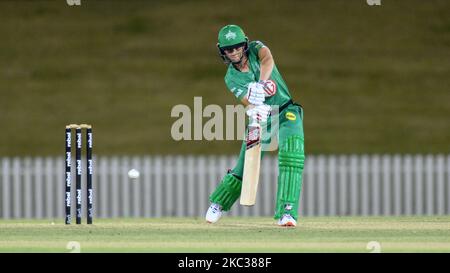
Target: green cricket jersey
point(237, 81)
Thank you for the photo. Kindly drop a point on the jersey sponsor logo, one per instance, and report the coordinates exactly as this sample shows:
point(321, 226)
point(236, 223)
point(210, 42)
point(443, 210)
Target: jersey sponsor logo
point(230, 35)
point(290, 116)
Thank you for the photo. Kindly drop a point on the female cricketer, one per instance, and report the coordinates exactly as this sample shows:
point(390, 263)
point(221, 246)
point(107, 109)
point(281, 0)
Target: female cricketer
point(254, 79)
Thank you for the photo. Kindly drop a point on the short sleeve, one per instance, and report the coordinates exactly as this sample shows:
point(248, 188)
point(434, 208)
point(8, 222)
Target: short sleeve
point(255, 46)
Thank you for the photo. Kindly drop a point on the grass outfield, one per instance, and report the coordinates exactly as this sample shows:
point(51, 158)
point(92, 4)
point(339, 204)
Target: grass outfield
point(314, 234)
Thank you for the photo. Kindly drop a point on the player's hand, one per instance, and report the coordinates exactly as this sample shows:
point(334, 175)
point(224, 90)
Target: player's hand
point(259, 113)
point(269, 87)
point(255, 93)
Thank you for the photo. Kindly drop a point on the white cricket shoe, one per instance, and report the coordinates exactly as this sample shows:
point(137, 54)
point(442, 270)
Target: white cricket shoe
point(287, 221)
point(214, 213)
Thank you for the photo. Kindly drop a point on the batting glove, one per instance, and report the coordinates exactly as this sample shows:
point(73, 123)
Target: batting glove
point(269, 87)
point(255, 93)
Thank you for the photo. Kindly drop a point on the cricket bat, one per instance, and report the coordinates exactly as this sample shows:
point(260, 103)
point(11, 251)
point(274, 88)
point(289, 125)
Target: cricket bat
point(251, 165)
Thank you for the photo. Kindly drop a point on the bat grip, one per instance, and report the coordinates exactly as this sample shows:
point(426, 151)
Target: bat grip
point(253, 122)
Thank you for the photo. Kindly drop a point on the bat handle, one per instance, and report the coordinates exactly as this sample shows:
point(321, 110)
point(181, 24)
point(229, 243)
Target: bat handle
point(253, 122)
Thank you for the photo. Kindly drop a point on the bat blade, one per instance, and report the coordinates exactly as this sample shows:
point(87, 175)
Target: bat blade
point(251, 166)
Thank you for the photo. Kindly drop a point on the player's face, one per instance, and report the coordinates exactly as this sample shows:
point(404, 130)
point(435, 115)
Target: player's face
point(234, 53)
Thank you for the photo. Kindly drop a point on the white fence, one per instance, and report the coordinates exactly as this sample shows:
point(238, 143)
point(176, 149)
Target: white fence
point(180, 186)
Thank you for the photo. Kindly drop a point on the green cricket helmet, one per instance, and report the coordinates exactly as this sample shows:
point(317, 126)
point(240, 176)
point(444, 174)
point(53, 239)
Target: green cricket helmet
point(231, 36)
